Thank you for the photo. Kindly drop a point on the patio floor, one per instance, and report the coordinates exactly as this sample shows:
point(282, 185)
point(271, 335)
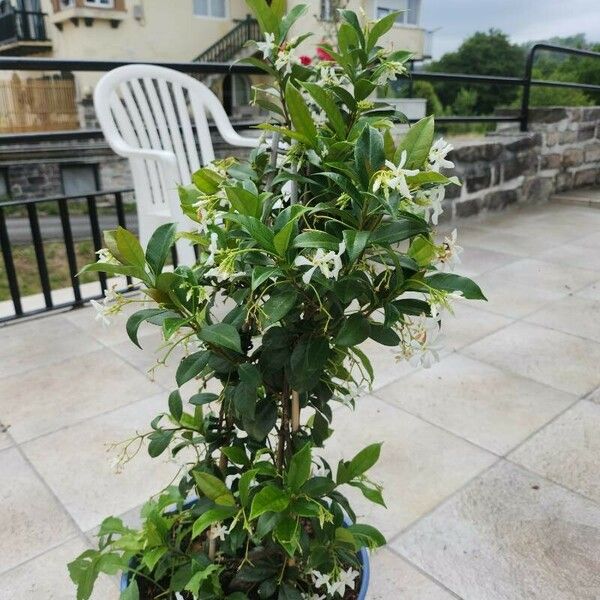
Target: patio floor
point(490, 459)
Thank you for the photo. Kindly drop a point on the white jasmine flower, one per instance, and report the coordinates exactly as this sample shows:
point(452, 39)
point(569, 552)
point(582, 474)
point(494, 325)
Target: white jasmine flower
point(213, 248)
point(421, 341)
point(218, 532)
point(320, 579)
point(286, 58)
point(434, 210)
point(353, 393)
point(348, 578)
point(327, 75)
point(449, 251)
point(394, 178)
point(102, 312)
point(105, 256)
point(222, 272)
point(267, 46)
point(110, 295)
point(329, 263)
point(437, 156)
point(390, 71)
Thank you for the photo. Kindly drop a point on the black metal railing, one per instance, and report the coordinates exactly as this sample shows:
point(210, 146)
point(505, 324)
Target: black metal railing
point(194, 68)
point(231, 43)
point(22, 26)
point(86, 225)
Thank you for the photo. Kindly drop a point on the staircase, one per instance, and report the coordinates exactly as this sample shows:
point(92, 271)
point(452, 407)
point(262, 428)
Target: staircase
point(231, 46)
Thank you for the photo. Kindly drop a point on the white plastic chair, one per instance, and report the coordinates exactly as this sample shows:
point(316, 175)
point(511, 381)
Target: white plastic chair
point(157, 118)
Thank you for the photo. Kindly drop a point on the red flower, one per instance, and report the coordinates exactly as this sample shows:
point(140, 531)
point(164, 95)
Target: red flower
point(323, 54)
point(305, 60)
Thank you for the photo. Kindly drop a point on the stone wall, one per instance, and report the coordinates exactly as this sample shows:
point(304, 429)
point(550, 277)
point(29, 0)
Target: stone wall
point(560, 152)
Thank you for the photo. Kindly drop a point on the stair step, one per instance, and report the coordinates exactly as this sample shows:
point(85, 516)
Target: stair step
point(589, 197)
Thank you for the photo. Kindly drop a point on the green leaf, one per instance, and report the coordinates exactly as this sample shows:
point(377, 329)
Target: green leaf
point(367, 535)
point(159, 442)
point(203, 398)
point(288, 20)
point(449, 282)
point(213, 488)
point(131, 592)
point(260, 274)
point(316, 239)
point(384, 335)
point(355, 330)
point(417, 143)
point(159, 246)
point(281, 241)
point(206, 180)
point(277, 306)
point(412, 306)
point(318, 486)
point(129, 248)
point(380, 28)
point(223, 335)
point(287, 592)
point(364, 460)
point(264, 15)
point(300, 113)
point(235, 454)
point(112, 269)
point(325, 100)
point(136, 319)
point(210, 517)
point(175, 405)
point(398, 231)
point(371, 493)
point(244, 201)
point(307, 362)
point(287, 533)
point(299, 468)
point(356, 242)
point(191, 366)
point(255, 228)
point(269, 499)
point(369, 154)
point(244, 485)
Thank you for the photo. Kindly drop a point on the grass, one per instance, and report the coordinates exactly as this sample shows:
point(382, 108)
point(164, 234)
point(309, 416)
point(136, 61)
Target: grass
point(58, 267)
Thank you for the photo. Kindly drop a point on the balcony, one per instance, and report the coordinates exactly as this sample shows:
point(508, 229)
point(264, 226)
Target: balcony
point(23, 32)
point(88, 11)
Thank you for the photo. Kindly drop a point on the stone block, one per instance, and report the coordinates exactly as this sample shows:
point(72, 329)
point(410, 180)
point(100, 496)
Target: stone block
point(547, 114)
point(478, 177)
point(551, 138)
point(564, 181)
point(572, 157)
point(526, 141)
point(592, 153)
point(468, 208)
point(551, 161)
point(567, 137)
point(590, 114)
point(586, 132)
point(585, 177)
point(476, 151)
point(453, 191)
point(520, 164)
point(537, 189)
point(500, 199)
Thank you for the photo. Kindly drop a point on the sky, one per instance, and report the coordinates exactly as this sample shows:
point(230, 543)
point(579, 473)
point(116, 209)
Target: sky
point(523, 20)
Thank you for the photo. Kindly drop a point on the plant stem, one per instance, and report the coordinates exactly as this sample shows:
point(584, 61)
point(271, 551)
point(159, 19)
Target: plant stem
point(295, 411)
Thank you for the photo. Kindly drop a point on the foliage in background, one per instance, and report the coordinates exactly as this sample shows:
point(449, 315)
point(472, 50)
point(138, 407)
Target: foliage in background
point(290, 281)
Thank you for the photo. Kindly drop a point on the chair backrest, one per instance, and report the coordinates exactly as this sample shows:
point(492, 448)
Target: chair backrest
point(147, 107)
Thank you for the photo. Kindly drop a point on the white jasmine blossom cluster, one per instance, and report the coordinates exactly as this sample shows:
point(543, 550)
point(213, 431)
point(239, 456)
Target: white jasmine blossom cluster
point(437, 156)
point(420, 340)
point(394, 178)
point(286, 59)
point(329, 263)
point(345, 579)
point(111, 304)
point(218, 532)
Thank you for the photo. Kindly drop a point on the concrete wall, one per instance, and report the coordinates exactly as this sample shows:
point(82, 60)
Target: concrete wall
point(560, 152)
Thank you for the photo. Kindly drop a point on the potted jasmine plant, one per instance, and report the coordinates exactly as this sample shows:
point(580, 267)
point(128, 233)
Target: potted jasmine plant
point(291, 279)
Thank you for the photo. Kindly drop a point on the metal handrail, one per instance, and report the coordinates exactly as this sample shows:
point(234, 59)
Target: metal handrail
point(232, 42)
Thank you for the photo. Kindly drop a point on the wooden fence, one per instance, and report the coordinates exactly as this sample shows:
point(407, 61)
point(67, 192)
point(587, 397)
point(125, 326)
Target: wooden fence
point(37, 105)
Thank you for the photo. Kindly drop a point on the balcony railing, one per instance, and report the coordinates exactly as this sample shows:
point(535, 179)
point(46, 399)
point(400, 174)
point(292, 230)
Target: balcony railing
point(22, 26)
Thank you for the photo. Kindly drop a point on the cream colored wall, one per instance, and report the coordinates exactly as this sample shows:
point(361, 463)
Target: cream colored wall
point(400, 37)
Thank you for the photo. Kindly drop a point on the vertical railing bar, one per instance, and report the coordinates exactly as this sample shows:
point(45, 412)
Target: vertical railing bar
point(11, 274)
point(40, 256)
point(524, 116)
point(96, 235)
point(121, 220)
point(69, 248)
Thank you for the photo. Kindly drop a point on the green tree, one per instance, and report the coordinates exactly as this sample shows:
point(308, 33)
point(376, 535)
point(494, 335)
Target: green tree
point(489, 53)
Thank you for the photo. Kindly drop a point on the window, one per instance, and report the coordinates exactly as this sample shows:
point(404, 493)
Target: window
point(79, 179)
point(66, 3)
point(327, 10)
point(100, 3)
point(210, 8)
point(411, 10)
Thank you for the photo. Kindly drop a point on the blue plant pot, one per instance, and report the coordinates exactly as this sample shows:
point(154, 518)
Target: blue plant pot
point(363, 557)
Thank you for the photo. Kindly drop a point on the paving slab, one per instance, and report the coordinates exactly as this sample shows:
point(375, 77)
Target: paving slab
point(420, 464)
point(87, 482)
point(510, 535)
point(31, 519)
point(557, 359)
point(490, 407)
point(55, 396)
point(46, 577)
point(568, 450)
